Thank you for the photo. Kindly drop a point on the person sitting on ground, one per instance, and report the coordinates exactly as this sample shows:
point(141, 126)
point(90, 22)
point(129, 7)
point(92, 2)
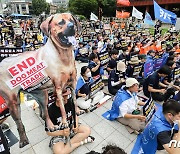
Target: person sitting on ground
point(82, 88)
point(130, 71)
point(155, 88)
point(159, 132)
point(116, 78)
point(125, 107)
point(113, 61)
point(81, 53)
point(78, 134)
point(95, 66)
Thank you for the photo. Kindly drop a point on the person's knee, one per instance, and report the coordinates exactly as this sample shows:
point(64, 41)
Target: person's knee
point(86, 130)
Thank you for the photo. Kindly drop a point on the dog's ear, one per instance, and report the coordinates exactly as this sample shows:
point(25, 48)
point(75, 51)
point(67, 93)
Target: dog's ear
point(45, 25)
point(78, 25)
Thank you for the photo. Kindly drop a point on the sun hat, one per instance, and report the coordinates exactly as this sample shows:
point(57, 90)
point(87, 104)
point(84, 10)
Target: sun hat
point(134, 60)
point(131, 81)
point(121, 66)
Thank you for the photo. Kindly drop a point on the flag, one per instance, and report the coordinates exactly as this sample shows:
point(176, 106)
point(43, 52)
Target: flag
point(122, 14)
point(164, 15)
point(123, 2)
point(148, 19)
point(93, 17)
point(136, 13)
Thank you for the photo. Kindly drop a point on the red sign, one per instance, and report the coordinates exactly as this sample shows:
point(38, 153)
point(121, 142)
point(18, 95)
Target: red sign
point(26, 73)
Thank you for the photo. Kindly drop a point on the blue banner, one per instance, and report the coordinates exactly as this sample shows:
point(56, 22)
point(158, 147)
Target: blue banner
point(148, 67)
point(164, 15)
point(148, 19)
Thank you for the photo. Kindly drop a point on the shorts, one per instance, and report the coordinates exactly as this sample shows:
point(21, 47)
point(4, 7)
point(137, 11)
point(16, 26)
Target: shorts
point(57, 139)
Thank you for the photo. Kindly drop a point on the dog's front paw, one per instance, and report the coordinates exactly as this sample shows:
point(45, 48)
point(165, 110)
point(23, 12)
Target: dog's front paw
point(23, 143)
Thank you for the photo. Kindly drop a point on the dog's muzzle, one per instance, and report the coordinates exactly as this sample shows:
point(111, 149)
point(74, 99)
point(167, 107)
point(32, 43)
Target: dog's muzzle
point(65, 37)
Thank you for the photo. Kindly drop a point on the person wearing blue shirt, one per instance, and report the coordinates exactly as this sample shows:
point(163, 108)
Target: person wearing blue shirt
point(162, 128)
point(125, 107)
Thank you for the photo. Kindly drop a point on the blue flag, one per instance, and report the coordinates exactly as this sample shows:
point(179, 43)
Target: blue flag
point(148, 19)
point(164, 15)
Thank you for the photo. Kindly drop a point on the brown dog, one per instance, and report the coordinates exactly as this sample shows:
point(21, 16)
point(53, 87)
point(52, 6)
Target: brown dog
point(55, 60)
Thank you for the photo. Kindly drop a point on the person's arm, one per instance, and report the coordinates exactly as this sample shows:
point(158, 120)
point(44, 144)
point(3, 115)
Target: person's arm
point(80, 94)
point(64, 132)
point(162, 85)
point(131, 116)
point(151, 89)
point(94, 69)
point(170, 148)
point(141, 103)
point(115, 83)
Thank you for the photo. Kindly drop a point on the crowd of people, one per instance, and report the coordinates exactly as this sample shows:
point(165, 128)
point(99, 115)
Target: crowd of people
point(133, 61)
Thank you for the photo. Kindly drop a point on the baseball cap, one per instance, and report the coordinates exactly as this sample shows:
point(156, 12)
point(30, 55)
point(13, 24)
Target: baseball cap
point(131, 81)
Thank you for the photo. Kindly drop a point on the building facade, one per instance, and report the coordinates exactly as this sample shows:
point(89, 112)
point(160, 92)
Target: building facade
point(61, 3)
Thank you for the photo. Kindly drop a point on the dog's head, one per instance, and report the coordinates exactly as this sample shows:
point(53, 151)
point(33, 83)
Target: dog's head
point(61, 27)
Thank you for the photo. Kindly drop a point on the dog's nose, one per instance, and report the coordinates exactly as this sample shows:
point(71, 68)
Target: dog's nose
point(70, 25)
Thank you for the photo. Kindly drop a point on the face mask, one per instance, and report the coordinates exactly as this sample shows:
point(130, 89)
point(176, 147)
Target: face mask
point(175, 122)
point(88, 74)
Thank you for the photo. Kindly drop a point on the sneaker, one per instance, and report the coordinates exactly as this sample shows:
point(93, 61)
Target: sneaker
point(4, 126)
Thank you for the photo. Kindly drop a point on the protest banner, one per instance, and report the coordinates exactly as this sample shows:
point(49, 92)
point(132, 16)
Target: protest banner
point(17, 31)
point(158, 62)
point(148, 68)
point(7, 52)
point(4, 111)
point(137, 70)
point(96, 86)
point(149, 109)
point(104, 57)
point(26, 73)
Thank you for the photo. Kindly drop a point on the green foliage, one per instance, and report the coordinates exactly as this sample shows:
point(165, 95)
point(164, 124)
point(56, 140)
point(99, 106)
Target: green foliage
point(81, 17)
point(39, 6)
point(83, 7)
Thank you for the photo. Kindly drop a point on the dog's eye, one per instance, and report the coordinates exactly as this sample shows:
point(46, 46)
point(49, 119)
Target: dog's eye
point(62, 22)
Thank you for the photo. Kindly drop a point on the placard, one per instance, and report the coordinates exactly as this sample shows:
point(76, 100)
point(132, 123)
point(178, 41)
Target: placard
point(83, 51)
point(149, 109)
point(158, 62)
point(5, 29)
point(4, 149)
point(7, 52)
point(96, 86)
point(11, 138)
point(148, 68)
point(85, 38)
point(104, 57)
point(18, 31)
point(177, 73)
point(137, 70)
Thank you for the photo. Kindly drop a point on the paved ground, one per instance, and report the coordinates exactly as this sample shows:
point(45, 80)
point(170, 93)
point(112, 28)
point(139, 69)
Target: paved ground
point(103, 130)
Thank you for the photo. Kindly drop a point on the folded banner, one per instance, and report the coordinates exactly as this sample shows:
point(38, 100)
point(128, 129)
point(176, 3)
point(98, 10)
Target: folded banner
point(136, 13)
point(93, 17)
point(123, 2)
point(164, 15)
point(148, 19)
point(122, 14)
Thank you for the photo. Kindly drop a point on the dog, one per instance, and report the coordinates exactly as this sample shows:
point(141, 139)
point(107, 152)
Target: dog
point(55, 60)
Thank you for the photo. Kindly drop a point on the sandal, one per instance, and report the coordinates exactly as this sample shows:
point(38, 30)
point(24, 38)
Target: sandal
point(80, 112)
point(89, 139)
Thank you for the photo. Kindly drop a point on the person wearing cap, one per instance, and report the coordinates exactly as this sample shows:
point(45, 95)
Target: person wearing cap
point(116, 78)
point(153, 87)
point(130, 68)
point(125, 107)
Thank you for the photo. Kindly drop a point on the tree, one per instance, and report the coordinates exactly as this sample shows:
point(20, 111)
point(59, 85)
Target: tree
point(39, 6)
point(83, 7)
point(62, 9)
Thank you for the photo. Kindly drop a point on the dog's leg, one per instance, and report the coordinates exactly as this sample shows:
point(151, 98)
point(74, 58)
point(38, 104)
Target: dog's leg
point(15, 111)
point(60, 101)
